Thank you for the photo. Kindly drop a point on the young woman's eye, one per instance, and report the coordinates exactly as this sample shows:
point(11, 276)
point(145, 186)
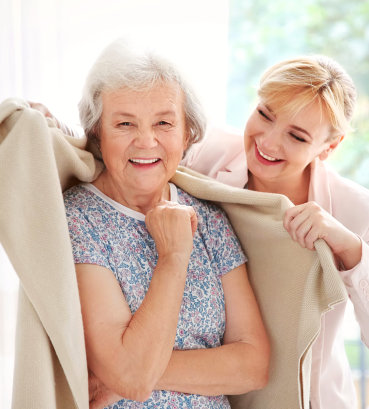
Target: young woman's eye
point(263, 114)
point(298, 138)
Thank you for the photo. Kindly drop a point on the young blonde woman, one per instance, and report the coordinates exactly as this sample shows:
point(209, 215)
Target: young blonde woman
point(303, 113)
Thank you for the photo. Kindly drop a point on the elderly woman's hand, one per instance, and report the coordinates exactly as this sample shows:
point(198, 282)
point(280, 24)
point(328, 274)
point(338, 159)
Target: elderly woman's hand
point(172, 227)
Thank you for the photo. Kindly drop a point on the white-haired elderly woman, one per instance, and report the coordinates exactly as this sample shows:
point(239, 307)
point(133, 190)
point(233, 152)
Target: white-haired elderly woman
point(169, 316)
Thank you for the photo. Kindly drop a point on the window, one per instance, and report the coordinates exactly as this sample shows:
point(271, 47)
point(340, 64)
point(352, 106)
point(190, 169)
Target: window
point(264, 32)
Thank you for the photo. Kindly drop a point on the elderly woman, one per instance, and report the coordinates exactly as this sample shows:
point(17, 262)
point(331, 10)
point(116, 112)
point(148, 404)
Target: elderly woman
point(169, 316)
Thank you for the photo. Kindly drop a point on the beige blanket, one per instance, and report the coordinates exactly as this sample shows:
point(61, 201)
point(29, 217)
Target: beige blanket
point(294, 286)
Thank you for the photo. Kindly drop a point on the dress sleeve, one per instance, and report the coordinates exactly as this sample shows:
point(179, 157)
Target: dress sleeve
point(222, 243)
point(87, 244)
point(356, 281)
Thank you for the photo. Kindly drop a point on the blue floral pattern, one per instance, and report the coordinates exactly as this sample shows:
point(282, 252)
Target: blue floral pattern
point(103, 233)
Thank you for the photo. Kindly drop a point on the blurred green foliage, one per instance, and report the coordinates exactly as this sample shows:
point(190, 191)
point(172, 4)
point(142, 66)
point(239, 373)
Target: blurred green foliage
point(353, 351)
point(264, 32)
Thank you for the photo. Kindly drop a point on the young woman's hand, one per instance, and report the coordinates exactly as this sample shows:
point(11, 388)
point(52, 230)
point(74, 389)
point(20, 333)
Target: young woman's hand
point(309, 222)
point(43, 109)
point(74, 132)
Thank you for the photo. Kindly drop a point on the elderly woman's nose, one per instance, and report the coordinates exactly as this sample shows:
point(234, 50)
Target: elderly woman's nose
point(146, 138)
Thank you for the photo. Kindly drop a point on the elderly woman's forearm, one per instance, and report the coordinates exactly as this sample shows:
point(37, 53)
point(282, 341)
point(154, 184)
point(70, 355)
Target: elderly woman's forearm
point(129, 356)
point(230, 369)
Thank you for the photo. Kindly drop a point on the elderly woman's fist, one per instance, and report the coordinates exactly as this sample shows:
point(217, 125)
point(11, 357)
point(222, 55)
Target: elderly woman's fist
point(172, 226)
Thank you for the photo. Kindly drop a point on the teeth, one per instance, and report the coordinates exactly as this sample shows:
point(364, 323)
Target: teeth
point(266, 156)
point(144, 161)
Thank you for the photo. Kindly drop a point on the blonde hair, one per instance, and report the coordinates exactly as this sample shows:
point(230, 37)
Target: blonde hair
point(293, 84)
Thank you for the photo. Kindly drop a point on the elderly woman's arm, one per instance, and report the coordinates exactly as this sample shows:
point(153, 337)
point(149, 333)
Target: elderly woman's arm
point(240, 364)
point(129, 353)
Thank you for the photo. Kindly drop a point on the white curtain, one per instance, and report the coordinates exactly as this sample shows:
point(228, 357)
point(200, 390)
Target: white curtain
point(46, 48)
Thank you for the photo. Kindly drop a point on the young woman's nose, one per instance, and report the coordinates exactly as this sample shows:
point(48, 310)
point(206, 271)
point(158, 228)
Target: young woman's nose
point(271, 141)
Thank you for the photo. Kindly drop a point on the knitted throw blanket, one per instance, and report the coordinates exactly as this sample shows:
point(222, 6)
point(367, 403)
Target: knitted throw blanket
point(294, 286)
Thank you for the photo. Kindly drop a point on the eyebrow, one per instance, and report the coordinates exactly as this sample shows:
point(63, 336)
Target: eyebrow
point(120, 113)
point(297, 128)
point(168, 112)
point(269, 109)
point(301, 130)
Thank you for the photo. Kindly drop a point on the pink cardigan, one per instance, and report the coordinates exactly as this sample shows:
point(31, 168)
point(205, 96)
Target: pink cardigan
point(221, 156)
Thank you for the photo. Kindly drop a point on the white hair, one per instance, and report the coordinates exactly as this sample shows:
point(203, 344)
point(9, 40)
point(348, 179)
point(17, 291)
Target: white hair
point(120, 65)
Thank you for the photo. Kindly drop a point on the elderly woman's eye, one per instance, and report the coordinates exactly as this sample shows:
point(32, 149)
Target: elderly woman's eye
point(124, 123)
point(163, 123)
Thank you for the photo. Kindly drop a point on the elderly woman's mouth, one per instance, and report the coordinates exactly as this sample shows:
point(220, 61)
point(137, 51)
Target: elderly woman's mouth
point(137, 161)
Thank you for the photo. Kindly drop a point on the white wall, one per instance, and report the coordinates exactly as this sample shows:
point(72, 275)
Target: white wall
point(47, 46)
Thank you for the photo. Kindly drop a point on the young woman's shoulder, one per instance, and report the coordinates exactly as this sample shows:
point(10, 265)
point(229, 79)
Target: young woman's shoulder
point(342, 187)
point(350, 202)
point(215, 152)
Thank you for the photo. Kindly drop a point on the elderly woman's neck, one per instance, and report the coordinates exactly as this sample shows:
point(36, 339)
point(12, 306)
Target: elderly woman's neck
point(133, 199)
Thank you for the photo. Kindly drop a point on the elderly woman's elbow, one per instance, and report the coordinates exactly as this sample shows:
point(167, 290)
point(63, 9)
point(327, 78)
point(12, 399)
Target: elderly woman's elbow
point(136, 389)
point(261, 377)
point(262, 365)
point(256, 375)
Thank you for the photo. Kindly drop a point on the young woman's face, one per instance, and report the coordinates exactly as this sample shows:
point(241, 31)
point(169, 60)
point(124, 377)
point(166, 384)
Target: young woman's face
point(279, 147)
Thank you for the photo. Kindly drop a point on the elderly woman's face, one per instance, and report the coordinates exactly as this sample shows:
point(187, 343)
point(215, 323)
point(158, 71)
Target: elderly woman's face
point(143, 136)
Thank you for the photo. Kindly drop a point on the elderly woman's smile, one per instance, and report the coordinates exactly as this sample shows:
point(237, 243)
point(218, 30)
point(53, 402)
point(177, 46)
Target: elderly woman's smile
point(142, 140)
point(143, 162)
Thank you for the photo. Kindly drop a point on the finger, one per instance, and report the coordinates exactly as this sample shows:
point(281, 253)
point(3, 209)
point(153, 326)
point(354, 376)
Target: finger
point(194, 221)
point(291, 214)
point(302, 232)
point(299, 221)
point(313, 235)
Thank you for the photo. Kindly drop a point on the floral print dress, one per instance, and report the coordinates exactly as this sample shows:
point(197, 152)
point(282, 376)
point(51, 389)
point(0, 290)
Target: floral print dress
point(109, 234)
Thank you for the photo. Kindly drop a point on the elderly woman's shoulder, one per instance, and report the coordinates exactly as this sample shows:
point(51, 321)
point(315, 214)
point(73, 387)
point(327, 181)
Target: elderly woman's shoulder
point(77, 195)
point(75, 189)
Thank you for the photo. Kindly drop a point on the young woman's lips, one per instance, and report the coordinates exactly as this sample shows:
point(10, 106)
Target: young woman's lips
point(266, 159)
